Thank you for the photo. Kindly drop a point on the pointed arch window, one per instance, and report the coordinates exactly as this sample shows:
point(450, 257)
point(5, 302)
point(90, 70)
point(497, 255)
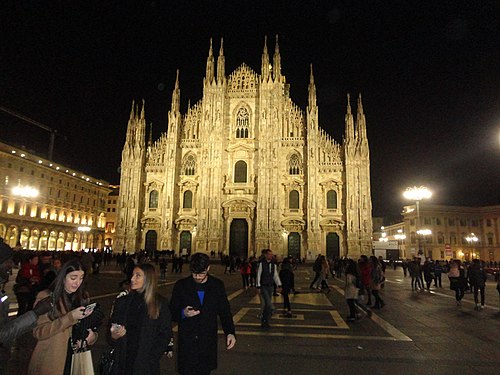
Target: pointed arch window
point(240, 171)
point(293, 200)
point(294, 164)
point(190, 165)
point(331, 200)
point(153, 199)
point(242, 123)
point(187, 201)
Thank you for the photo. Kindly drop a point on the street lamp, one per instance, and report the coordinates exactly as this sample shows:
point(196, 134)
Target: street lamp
point(472, 239)
point(417, 194)
point(400, 236)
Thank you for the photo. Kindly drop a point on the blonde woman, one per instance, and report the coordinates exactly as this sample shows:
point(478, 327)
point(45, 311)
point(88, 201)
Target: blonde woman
point(140, 326)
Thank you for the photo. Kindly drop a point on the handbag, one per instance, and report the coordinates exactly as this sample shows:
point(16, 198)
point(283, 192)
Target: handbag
point(81, 363)
point(106, 362)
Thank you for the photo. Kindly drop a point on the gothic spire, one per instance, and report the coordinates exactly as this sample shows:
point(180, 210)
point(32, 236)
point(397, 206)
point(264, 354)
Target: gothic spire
point(142, 110)
point(265, 66)
point(312, 90)
point(349, 121)
point(221, 63)
point(209, 75)
point(150, 140)
point(176, 95)
point(360, 121)
point(132, 115)
point(277, 61)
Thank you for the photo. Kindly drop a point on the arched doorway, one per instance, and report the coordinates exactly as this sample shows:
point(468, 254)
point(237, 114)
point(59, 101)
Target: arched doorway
point(185, 241)
point(332, 245)
point(294, 245)
point(151, 238)
point(238, 238)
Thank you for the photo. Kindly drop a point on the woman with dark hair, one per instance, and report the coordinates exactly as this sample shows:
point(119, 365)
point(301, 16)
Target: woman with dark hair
point(140, 325)
point(458, 282)
point(53, 352)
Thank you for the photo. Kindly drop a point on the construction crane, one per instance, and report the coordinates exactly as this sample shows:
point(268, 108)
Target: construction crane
point(52, 132)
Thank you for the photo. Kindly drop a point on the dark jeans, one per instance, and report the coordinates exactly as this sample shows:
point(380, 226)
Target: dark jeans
point(459, 294)
point(476, 290)
point(378, 301)
point(352, 308)
point(245, 279)
point(316, 277)
point(416, 283)
point(286, 300)
point(437, 280)
point(266, 293)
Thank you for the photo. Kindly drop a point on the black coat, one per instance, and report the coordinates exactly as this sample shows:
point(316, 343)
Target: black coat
point(155, 336)
point(197, 341)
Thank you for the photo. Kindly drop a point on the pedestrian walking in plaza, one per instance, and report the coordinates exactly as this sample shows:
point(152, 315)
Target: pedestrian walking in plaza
point(365, 269)
point(141, 329)
point(351, 289)
point(245, 270)
point(267, 276)
point(438, 271)
point(322, 282)
point(27, 285)
point(414, 270)
point(196, 303)
point(477, 279)
point(428, 269)
point(287, 285)
point(456, 274)
point(376, 282)
point(317, 271)
point(405, 267)
point(56, 331)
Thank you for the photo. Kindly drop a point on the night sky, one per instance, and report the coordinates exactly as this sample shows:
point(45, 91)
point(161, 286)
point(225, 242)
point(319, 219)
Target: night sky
point(429, 73)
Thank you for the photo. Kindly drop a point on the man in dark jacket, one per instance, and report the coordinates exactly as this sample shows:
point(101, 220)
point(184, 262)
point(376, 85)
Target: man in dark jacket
point(195, 304)
point(10, 329)
point(477, 279)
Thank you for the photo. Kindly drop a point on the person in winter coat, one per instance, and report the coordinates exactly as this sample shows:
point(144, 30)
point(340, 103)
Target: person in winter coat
point(428, 269)
point(415, 272)
point(351, 289)
point(365, 269)
point(141, 327)
point(438, 271)
point(27, 284)
point(54, 330)
point(245, 270)
point(477, 279)
point(287, 285)
point(196, 303)
point(377, 278)
point(456, 274)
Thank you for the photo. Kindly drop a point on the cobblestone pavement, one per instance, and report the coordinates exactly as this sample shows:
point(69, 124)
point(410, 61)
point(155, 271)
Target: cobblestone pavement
point(415, 333)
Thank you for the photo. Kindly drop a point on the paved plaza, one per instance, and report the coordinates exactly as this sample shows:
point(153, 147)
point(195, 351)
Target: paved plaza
point(415, 333)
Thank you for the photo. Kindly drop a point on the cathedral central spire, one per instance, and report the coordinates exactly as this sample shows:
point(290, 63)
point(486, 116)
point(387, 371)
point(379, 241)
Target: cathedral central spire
point(176, 95)
point(349, 121)
point(312, 90)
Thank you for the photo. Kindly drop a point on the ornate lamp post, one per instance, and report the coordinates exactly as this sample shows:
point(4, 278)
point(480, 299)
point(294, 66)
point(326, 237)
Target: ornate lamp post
point(416, 194)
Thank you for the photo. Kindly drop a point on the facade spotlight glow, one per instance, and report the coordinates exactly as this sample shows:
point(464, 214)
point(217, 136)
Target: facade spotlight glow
point(25, 191)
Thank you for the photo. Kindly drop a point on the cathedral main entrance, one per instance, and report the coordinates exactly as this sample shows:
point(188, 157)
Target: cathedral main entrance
point(238, 238)
point(332, 245)
point(151, 239)
point(185, 242)
point(294, 245)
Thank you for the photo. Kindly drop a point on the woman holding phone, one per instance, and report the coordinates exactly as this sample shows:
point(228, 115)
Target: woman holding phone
point(54, 349)
point(140, 326)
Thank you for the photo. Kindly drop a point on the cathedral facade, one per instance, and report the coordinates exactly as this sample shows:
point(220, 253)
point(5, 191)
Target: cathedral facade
point(246, 169)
